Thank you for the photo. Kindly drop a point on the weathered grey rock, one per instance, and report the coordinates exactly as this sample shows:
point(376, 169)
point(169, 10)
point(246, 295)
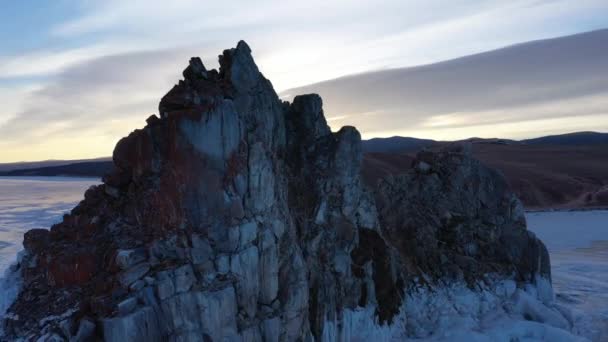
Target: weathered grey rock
point(66, 327)
point(147, 296)
point(112, 191)
point(248, 233)
point(165, 288)
point(195, 69)
point(199, 256)
point(219, 135)
point(239, 217)
point(136, 286)
point(164, 249)
point(128, 258)
point(184, 278)
point(127, 306)
point(307, 113)
point(50, 337)
point(262, 178)
point(207, 313)
point(251, 334)
point(222, 264)
point(86, 329)
point(244, 266)
point(458, 215)
point(129, 276)
point(149, 280)
point(268, 268)
point(271, 329)
point(140, 326)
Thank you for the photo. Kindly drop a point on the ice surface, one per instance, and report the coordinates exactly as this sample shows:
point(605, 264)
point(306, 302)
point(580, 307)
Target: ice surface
point(34, 202)
point(578, 245)
point(500, 312)
point(26, 203)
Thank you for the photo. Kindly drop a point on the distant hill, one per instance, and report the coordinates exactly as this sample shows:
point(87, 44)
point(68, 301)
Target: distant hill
point(568, 171)
point(552, 176)
point(407, 144)
point(578, 138)
point(84, 169)
point(46, 163)
point(396, 144)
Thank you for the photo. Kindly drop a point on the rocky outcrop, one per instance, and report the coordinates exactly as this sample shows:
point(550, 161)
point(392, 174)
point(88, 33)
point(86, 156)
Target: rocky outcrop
point(453, 217)
point(236, 216)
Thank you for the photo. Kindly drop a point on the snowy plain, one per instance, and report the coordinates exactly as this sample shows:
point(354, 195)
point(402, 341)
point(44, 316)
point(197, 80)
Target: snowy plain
point(34, 202)
point(577, 242)
point(578, 246)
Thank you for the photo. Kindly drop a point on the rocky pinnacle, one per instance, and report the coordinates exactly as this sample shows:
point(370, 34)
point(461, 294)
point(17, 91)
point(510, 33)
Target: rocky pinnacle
point(233, 215)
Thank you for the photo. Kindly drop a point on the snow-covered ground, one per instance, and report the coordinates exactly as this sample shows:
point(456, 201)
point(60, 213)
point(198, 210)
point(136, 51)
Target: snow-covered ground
point(578, 245)
point(577, 242)
point(26, 203)
point(34, 202)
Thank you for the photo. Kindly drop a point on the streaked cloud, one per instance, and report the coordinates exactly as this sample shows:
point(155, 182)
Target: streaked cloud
point(517, 88)
point(98, 72)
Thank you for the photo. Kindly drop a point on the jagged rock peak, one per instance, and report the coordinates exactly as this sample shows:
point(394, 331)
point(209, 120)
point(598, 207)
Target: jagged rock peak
point(238, 66)
point(307, 116)
point(208, 208)
point(238, 58)
point(236, 216)
point(195, 69)
point(452, 216)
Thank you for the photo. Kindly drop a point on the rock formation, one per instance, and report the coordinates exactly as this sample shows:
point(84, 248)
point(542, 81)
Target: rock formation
point(236, 216)
point(451, 216)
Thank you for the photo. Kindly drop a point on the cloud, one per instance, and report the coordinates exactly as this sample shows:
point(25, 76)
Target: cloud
point(109, 66)
point(13, 99)
point(93, 103)
point(549, 79)
point(42, 63)
point(530, 127)
point(300, 43)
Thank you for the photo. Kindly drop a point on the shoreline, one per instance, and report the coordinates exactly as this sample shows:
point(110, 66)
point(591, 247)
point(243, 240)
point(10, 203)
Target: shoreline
point(50, 178)
point(549, 210)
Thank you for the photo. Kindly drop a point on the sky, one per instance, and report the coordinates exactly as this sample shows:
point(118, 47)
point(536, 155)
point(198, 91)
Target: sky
point(75, 76)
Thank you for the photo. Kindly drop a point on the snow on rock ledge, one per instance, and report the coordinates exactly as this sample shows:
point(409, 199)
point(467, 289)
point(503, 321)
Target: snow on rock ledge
point(235, 216)
point(496, 312)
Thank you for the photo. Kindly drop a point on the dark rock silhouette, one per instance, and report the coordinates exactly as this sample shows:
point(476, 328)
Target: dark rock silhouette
point(236, 216)
point(453, 216)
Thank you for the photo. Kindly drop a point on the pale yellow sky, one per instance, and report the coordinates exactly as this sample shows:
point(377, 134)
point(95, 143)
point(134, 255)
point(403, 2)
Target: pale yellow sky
point(73, 84)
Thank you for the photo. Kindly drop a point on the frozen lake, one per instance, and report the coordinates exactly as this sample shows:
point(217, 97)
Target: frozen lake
point(577, 241)
point(34, 202)
point(578, 245)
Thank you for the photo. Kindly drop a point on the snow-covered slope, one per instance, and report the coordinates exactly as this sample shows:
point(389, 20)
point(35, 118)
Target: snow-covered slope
point(578, 243)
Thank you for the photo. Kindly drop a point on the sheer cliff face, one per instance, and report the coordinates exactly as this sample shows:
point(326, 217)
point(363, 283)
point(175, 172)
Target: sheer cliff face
point(236, 216)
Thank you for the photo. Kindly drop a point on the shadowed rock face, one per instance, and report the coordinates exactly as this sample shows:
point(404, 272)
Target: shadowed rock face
point(235, 216)
point(451, 216)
